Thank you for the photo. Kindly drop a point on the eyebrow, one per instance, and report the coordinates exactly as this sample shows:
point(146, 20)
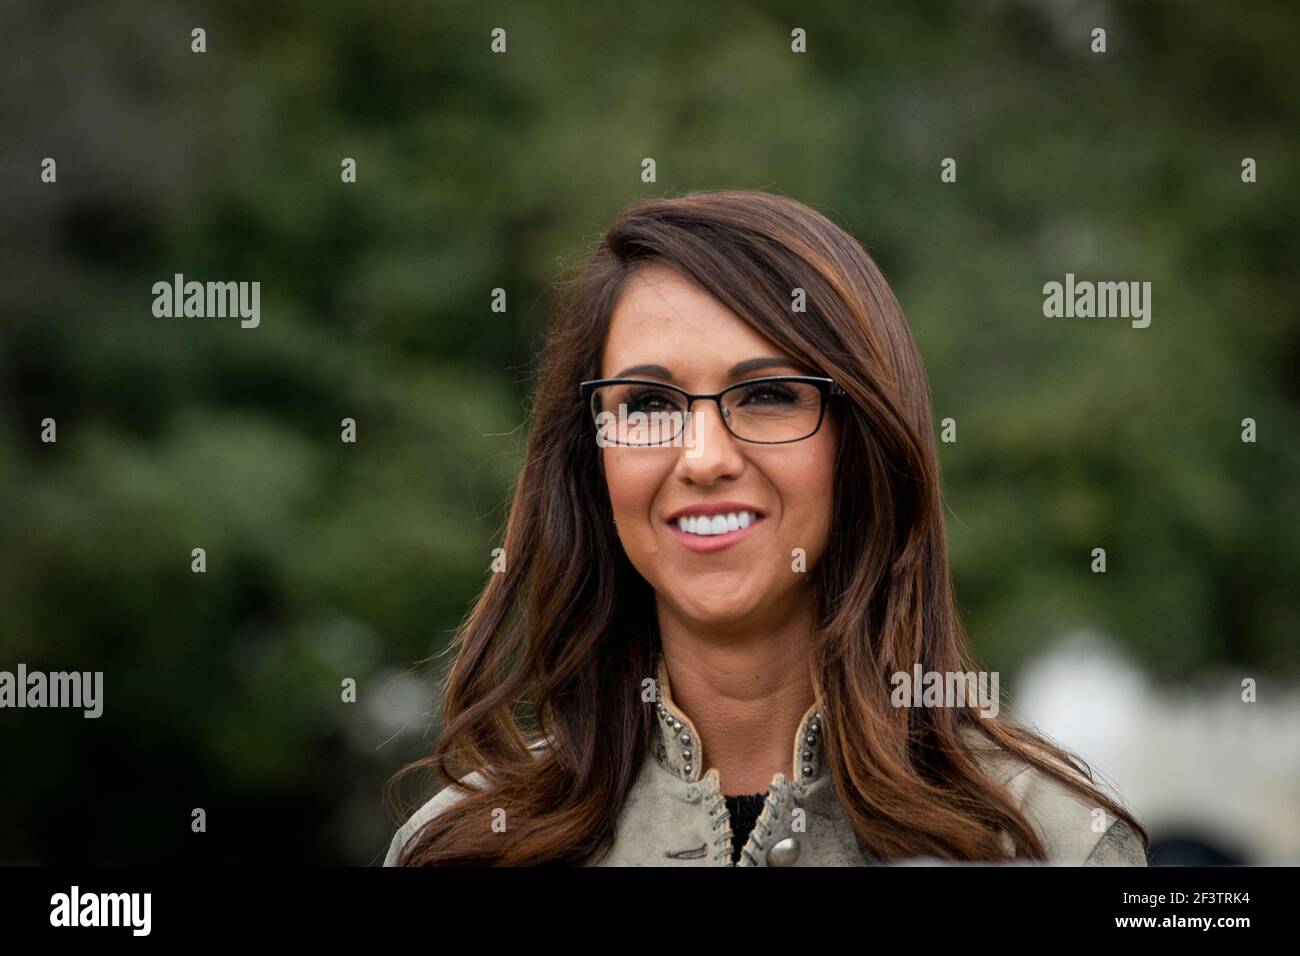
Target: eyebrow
point(740, 368)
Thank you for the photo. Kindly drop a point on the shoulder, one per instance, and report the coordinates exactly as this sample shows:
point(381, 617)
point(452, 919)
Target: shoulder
point(1074, 830)
point(431, 808)
point(439, 802)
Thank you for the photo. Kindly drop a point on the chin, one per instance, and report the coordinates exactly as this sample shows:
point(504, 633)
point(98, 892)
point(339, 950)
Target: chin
point(706, 608)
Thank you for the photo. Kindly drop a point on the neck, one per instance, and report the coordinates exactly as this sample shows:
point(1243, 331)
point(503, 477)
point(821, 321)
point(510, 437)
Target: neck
point(745, 695)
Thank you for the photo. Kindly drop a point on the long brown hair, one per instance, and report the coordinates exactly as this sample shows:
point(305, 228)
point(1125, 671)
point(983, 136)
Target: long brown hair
point(559, 642)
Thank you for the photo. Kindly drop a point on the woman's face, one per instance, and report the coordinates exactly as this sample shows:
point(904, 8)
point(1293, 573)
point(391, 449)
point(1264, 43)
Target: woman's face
point(745, 576)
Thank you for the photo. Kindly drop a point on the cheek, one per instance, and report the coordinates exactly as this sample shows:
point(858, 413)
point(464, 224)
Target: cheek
point(806, 485)
point(633, 481)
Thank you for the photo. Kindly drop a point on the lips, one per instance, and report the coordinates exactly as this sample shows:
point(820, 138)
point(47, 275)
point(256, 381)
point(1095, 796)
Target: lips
point(713, 526)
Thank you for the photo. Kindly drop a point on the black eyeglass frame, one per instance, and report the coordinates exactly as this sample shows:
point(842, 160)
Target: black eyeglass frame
point(828, 388)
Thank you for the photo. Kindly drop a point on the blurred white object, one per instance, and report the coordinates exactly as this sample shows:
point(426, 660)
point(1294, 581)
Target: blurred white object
point(1189, 760)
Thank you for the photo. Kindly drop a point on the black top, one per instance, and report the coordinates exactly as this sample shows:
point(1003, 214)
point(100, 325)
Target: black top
point(745, 809)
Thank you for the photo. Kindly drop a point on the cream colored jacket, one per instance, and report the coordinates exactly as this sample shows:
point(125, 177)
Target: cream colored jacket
point(674, 816)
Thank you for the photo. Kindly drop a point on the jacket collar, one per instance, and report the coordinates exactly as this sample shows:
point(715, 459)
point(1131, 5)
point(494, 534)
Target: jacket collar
point(679, 749)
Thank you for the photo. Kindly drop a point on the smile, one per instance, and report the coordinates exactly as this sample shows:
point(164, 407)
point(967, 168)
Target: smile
point(706, 533)
point(716, 524)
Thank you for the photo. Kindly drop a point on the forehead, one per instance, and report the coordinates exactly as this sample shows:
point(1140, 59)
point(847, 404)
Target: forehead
point(665, 318)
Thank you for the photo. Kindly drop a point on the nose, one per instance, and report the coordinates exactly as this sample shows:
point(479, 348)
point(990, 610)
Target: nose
point(709, 450)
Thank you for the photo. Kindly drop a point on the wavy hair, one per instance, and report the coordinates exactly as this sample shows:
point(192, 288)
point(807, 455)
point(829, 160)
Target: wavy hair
point(557, 645)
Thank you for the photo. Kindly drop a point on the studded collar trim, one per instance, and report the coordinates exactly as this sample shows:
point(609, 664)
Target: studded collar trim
point(679, 749)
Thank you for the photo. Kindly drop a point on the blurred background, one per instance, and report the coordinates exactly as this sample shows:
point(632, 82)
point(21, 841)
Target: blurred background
point(328, 560)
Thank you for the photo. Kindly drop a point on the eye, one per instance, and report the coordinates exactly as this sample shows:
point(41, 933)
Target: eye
point(768, 393)
point(652, 400)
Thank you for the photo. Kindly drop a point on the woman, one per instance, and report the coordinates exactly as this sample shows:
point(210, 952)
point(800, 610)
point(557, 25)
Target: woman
point(724, 563)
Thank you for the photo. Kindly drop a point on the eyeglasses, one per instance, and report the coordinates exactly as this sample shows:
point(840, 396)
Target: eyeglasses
point(768, 411)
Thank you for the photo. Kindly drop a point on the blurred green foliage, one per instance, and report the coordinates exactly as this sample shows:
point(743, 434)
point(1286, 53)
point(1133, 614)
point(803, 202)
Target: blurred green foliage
point(475, 171)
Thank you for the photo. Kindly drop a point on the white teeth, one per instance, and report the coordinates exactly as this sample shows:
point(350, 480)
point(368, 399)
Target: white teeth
point(716, 524)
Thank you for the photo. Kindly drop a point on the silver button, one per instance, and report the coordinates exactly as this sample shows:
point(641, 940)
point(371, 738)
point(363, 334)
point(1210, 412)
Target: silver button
point(784, 853)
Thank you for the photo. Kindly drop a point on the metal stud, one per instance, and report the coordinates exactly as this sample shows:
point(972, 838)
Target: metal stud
point(810, 738)
point(784, 853)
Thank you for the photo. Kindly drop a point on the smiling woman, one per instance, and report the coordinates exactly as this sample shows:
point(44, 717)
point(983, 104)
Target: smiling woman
point(748, 572)
point(760, 450)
